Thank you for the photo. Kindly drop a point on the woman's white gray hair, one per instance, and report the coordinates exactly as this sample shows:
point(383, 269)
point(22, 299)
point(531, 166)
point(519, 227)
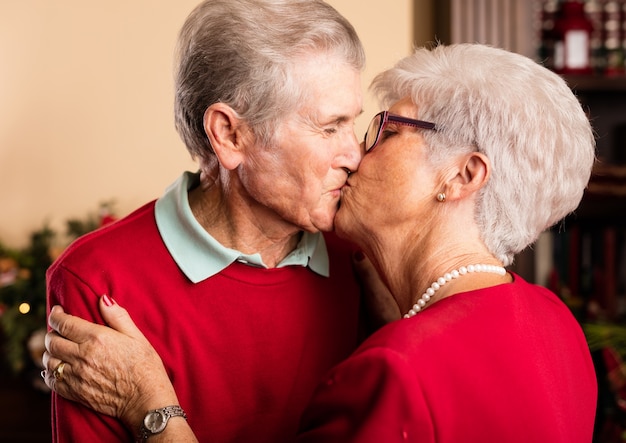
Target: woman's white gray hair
point(242, 53)
point(522, 116)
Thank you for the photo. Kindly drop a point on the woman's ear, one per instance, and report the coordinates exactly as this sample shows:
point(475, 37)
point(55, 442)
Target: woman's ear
point(227, 133)
point(472, 175)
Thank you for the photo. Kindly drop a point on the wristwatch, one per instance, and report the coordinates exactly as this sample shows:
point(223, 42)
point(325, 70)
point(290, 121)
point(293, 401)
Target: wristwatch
point(156, 420)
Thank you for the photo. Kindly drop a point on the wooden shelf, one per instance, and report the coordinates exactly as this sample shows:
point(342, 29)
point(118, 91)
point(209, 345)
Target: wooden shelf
point(608, 180)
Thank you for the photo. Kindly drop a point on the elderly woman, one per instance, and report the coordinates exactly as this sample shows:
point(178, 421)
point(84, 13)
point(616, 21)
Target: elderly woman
point(479, 152)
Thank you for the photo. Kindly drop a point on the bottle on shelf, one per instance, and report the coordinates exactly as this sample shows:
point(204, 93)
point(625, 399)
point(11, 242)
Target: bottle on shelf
point(572, 39)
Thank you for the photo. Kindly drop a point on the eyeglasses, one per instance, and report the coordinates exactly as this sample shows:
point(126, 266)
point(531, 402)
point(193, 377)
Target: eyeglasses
point(380, 120)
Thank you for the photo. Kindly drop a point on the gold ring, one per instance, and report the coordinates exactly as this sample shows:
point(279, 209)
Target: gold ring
point(58, 371)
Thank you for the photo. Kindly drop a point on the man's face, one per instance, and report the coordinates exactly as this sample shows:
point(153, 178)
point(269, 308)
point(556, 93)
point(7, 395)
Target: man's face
point(301, 175)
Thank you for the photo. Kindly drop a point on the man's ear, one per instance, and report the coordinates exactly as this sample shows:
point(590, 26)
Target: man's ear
point(472, 175)
point(228, 134)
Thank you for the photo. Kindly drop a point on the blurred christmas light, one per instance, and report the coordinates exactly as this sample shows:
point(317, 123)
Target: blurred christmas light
point(24, 308)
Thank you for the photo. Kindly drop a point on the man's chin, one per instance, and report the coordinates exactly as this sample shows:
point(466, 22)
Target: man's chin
point(325, 221)
point(326, 225)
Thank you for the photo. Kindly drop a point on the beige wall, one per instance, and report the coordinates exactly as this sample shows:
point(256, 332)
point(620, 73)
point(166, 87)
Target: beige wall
point(86, 101)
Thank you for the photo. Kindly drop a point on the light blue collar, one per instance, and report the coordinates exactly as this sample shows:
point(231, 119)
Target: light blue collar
point(200, 256)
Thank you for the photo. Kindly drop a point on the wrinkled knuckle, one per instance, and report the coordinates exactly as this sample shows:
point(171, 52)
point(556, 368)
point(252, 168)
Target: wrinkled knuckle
point(47, 340)
point(122, 311)
point(53, 345)
point(64, 328)
point(44, 358)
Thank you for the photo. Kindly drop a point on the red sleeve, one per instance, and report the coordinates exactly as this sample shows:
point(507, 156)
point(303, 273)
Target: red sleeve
point(369, 398)
point(72, 422)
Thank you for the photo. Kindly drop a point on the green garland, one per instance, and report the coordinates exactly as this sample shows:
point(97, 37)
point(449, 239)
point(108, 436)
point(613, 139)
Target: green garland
point(606, 335)
point(23, 286)
point(28, 287)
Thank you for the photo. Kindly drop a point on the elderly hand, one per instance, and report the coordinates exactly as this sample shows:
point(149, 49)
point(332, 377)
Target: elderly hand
point(113, 370)
point(381, 306)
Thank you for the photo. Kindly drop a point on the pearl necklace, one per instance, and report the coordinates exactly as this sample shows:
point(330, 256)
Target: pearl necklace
point(448, 276)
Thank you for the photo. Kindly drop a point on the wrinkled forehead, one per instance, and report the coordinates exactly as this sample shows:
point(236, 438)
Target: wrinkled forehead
point(330, 89)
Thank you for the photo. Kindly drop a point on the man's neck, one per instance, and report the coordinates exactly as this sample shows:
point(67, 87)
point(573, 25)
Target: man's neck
point(236, 225)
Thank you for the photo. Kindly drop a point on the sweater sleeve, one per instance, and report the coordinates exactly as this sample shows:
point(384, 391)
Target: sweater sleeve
point(371, 397)
point(72, 422)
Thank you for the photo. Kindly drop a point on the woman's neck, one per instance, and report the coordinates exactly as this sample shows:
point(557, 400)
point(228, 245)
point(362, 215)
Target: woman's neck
point(413, 263)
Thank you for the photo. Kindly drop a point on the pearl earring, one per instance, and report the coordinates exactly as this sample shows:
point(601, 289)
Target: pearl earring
point(441, 197)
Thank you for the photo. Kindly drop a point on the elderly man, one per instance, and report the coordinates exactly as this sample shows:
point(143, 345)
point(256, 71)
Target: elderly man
point(227, 274)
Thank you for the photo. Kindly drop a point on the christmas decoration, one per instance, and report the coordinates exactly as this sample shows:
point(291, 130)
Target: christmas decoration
point(23, 290)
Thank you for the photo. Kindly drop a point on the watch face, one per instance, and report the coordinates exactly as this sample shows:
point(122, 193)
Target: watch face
point(155, 421)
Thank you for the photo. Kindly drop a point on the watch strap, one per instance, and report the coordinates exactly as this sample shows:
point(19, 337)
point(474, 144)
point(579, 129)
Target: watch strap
point(167, 413)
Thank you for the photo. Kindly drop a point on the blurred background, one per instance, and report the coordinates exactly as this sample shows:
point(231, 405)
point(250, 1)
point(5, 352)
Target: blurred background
point(87, 135)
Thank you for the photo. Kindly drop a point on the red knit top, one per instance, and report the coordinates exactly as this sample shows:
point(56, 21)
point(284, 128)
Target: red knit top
point(507, 363)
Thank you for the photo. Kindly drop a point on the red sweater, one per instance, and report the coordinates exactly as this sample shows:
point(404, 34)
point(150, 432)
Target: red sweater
point(503, 364)
point(244, 348)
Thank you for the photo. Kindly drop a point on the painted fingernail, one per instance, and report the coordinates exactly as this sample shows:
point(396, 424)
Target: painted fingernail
point(108, 301)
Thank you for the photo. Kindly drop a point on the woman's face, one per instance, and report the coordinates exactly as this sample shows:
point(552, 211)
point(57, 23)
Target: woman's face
point(393, 188)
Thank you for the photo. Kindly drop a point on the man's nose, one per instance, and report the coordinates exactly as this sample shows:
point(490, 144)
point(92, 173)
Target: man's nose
point(352, 152)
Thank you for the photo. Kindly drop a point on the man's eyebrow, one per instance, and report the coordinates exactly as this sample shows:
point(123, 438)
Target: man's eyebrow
point(342, 118)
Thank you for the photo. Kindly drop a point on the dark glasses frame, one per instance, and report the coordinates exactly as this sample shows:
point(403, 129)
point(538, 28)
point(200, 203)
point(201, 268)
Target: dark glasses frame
point(380, 120)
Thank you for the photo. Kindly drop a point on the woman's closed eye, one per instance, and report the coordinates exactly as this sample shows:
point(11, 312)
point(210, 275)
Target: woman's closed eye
point(386, 133)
